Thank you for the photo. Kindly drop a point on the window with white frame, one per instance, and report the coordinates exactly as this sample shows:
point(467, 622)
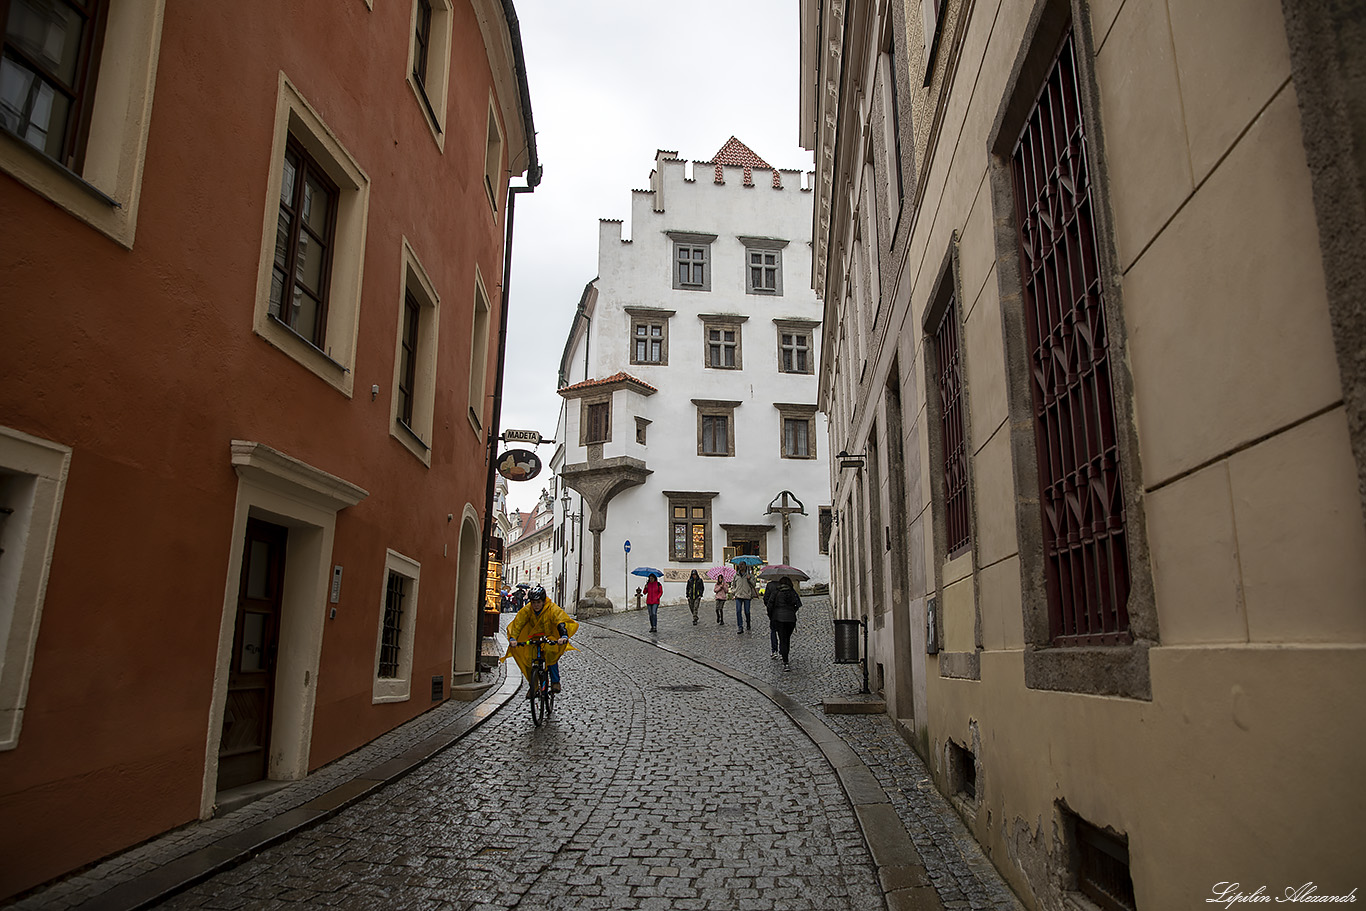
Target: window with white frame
point(493, 158)
point(479, 354)
point(397, 623)
point(312, 244)
point(32, 481)
point(414, 399)
point(430, 62)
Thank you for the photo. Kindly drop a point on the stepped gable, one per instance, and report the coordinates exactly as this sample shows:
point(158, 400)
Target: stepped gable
point(738, 155)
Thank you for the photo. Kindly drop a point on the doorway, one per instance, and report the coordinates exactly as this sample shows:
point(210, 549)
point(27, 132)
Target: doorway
point(245, 741)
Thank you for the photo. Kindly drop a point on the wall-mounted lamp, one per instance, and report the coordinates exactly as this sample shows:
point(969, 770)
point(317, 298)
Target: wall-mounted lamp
point(847, 460)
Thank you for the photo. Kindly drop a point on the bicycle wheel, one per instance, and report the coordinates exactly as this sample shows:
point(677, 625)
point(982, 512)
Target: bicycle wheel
point(537, 710)
point(547, 702)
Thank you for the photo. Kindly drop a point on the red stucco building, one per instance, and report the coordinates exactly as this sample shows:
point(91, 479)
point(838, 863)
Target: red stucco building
point(251, 263)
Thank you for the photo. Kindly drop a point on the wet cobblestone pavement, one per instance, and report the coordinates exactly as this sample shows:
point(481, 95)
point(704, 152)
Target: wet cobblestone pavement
point(674, 773)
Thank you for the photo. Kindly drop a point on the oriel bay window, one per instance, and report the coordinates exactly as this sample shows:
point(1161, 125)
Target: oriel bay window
point(595, 420)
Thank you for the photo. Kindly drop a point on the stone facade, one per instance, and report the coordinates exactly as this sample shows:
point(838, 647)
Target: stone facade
point(1188, 217)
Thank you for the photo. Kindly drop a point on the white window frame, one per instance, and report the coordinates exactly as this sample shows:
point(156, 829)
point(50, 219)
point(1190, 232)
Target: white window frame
point(106, 192)
point(397, 688)
point(33, 474)
point(493, 158)
point(335, 362)
point(417, 436)
point(436, 81)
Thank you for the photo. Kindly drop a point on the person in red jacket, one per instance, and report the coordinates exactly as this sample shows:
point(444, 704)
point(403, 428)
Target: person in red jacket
point(653, 592)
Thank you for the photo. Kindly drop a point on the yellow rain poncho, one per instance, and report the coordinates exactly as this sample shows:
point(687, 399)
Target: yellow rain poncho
point(528, 624)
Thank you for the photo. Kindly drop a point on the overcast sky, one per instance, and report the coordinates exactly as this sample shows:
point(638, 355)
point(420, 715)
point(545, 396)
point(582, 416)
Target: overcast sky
point(612, 81)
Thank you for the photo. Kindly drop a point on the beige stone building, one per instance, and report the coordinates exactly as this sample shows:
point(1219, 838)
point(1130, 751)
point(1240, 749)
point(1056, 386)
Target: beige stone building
point(1094, 361)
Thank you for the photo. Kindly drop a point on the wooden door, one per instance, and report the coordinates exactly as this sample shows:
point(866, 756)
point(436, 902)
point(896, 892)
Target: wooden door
point(245, 742)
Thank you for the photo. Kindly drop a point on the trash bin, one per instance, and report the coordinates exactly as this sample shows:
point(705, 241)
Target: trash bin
point(846, 642)
point(490, 623)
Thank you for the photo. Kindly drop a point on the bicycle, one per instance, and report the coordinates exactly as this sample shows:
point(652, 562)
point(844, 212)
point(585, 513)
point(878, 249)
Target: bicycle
point(538, 682)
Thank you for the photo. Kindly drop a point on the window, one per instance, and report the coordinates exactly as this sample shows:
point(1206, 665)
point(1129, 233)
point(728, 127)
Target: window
point(953, 430)
point(692, 260)
point(1080, 490)
point(715, 427)
point(690, 535)
point(415, 358)
point(722, 341)
point(763, 265)
point(479, 354)
point(391, 630)
point(312, 244)
point(715, 434)
point(407, 358)
point(76, 82)
point(397, 623)
point(641, 424)
point(649, 335)
point(303, 246)
point(430, 64)
point(48, 73)
point(597, 421)
point(493, 159)
point(797, 428)
point(33, 475)
point(931, 16)
point(795, 346)
point(825, 523)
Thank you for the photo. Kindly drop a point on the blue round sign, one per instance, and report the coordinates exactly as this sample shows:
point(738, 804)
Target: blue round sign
point(627, 545)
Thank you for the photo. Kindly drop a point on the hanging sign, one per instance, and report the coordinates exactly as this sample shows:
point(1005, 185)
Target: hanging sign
point(519, 465)
point(522, 436)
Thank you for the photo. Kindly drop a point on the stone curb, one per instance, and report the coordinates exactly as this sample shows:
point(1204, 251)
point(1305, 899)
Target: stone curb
point(161, 882)
point(900, 871)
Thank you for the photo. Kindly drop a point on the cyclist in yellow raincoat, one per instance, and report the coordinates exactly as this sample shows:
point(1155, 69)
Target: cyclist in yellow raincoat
point(540, 617)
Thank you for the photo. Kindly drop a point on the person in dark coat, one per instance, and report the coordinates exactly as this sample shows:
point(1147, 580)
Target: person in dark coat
point(694, 593)
point(782, 602)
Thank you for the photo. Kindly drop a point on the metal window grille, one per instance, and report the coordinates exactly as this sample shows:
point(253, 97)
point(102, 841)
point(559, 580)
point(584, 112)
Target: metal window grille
point(1103, 875)
point(393, 625)
point(408, 361)
point(953, 430)
point(1085, 543)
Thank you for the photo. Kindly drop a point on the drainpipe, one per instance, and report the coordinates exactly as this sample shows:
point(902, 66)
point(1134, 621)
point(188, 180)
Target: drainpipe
point(533, 179)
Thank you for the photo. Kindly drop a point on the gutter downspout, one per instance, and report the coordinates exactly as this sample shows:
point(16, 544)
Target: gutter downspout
point(533, 179)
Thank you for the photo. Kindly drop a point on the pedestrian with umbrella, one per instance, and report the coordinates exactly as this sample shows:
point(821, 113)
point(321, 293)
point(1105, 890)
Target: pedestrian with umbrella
point(783, 602)
point(745, 591)
point(694, 593)
point(720, 590)
point(653, 592)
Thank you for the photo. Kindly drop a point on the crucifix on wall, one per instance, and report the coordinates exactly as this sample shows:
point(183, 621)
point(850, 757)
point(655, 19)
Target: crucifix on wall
point(782, 504)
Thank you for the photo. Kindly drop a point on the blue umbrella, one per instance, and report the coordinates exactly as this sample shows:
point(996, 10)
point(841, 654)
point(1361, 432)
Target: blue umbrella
point(746, 560)
point(646, 571)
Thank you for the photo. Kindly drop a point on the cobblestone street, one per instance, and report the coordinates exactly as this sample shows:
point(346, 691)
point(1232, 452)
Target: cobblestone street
point(684, 770)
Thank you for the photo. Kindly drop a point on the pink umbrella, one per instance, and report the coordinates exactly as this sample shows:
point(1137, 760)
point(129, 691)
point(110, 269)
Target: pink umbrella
point(726, 572)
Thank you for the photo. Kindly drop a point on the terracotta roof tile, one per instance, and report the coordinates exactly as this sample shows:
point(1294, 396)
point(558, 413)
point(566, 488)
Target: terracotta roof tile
point(614, 378)
point(739, 155)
